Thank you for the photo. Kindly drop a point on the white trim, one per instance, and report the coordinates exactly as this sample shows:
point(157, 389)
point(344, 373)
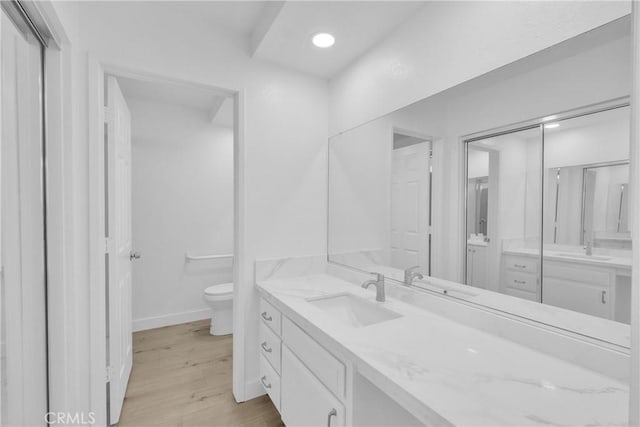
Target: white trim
point(242, 267)
point(97, 284)
point(170, 319)
point(634, 381)
point(254, 389)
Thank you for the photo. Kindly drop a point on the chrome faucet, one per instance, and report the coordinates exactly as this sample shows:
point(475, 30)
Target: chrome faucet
point(588, 249)
point(379, 284)
point(411, 273)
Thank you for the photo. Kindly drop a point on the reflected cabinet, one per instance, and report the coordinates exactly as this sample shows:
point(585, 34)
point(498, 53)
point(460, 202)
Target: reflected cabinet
point(547, 212)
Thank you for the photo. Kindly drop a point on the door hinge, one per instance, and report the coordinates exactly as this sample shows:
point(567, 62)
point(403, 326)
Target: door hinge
point(107, 242)
point(107, 374)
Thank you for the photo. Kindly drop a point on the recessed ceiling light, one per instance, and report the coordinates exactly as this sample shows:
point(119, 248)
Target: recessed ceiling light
point(551, 125)
point(323, 40)
point(546, 119)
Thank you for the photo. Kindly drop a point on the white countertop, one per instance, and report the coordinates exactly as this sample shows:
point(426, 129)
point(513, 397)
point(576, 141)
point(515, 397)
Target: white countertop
point(612, 261)
point(442, 371)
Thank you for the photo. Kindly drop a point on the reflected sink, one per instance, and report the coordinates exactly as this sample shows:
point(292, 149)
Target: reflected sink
point(352, 310)
point(583, 256)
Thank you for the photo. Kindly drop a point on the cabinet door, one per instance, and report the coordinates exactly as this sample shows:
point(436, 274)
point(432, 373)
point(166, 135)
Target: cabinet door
point(480, 267)
point(469, 280)
point(304, 401)
point(576, 296)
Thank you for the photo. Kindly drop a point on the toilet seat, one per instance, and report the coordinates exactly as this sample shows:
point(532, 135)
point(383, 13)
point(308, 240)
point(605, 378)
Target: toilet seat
point(221, 290)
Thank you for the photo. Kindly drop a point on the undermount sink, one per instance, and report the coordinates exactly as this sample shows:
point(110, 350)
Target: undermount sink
point(352, 310)
point(583, 256)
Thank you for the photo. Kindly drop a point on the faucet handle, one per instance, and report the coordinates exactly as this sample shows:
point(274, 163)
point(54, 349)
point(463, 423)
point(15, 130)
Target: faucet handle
point(379, 276)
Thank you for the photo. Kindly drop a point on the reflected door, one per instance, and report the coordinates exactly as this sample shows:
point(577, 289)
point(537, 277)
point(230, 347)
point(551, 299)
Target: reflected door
point(410, 207)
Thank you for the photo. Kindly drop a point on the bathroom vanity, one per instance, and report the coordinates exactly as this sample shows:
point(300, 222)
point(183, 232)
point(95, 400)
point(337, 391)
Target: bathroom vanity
point(592, 284)
point(331, 355)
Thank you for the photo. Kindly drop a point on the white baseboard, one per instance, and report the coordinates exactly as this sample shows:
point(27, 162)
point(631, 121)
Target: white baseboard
point(170, 319)
point(253, 389)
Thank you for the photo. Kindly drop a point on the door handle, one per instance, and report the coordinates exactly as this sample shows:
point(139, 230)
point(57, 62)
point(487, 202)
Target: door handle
point(265, 317)
point(604, 297)
point(264, 382)
point(332, 413)
point(265, 348)
point(134, 255)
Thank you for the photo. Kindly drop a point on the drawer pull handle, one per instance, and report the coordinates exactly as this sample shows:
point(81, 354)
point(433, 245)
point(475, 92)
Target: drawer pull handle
point(265, 348)
point(264, 382)
point(267, 318)
point(604, 297)
point(332, 413)
point(519, 266)
point(519, 282)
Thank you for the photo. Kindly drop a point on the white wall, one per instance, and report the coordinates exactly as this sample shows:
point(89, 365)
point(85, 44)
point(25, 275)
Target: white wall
point(447, 43)
point(182, 201)
point(359, 179)
point(284, 132)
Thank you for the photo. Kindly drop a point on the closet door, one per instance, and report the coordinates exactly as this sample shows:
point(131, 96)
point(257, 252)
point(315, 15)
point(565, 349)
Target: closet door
point(23, 370)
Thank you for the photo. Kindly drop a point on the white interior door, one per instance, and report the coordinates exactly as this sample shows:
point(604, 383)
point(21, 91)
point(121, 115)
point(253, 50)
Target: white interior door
point(23, 368)
point(410, 207)
point(119, 248)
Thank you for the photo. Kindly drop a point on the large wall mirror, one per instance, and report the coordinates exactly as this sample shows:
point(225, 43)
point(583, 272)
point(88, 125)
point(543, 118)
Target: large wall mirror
point(509, 191)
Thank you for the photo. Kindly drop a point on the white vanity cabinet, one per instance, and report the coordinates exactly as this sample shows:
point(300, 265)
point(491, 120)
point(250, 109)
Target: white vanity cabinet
point(477, 265)
point(579, 287)
point(305, 382)
point(305, 400)
point(520, 277)
point(270, 351)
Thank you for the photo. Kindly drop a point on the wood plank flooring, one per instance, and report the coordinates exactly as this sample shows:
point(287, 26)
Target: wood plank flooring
point(182, 377)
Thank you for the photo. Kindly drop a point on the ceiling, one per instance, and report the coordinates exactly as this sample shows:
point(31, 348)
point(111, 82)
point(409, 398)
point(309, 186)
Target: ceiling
point(357, 26)
point(218, 106)
point(280, 31)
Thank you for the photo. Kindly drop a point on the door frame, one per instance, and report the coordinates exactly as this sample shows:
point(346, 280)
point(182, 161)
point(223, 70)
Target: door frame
point(97, 69)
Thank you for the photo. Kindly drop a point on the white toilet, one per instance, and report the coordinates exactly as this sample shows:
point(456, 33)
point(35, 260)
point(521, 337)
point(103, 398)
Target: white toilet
point(220, 299)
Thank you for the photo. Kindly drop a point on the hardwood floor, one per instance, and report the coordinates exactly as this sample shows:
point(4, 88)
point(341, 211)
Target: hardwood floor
point(182, 377)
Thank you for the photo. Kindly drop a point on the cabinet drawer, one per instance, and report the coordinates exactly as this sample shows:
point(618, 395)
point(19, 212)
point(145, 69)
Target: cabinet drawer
point(270, 346)
point(305, 401)
point(270, 381)
point(526, 265)
point(522, 281)
point(577, 273)
point(270, 316)
point(319, 361)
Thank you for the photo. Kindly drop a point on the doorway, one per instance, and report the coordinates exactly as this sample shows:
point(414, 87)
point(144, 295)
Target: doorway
point(169, 210)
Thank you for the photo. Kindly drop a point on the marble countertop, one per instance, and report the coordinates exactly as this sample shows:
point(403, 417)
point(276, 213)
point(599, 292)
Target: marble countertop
point(444, 372)
point(564, 256)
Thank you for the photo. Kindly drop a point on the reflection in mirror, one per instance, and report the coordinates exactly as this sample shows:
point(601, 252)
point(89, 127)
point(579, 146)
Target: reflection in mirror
point(410, 193)
point(510, 167)
point(379, 199)
point(587, 244)
point(586, 264)
point(479, 229)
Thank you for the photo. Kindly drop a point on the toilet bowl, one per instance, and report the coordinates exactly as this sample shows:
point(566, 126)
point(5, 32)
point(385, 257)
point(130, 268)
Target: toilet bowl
point(220, 299)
